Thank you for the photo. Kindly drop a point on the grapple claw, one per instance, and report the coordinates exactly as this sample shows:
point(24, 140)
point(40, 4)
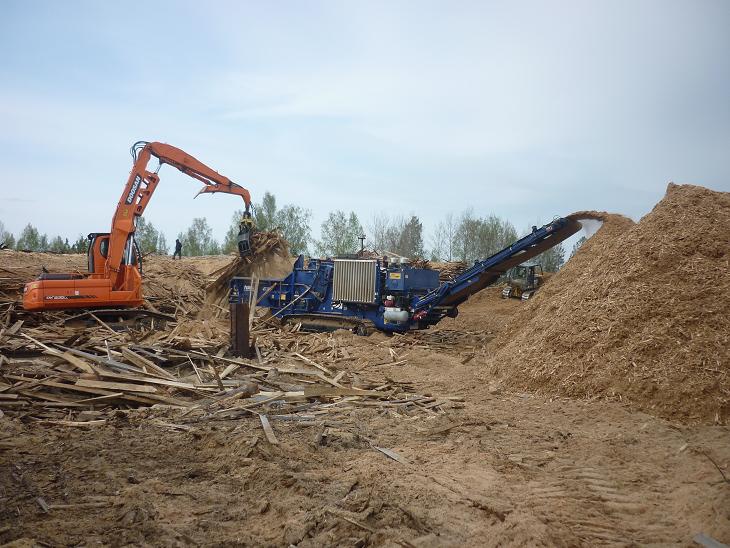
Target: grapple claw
point(245, 228)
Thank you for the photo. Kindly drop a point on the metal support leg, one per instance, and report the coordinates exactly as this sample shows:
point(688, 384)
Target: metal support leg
point(240, 343)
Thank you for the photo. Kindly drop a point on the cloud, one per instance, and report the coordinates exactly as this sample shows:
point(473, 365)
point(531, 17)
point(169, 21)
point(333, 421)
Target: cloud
point(527, 110)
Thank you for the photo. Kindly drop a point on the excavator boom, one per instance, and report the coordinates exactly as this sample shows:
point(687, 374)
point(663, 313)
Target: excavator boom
point(142, 183)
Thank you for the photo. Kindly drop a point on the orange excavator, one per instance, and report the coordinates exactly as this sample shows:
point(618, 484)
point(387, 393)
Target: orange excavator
point(114, 278)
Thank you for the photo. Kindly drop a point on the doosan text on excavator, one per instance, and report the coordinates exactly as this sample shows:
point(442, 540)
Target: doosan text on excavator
point(114, 276)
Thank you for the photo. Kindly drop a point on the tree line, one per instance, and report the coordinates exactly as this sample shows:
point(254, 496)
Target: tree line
point(465, 237)
point(30, 239)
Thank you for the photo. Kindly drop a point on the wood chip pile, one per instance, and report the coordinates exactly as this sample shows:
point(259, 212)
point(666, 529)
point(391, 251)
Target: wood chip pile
point(639, 314)
point(447, 270)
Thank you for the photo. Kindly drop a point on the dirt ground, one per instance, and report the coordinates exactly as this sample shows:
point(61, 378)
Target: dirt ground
point(500, 468)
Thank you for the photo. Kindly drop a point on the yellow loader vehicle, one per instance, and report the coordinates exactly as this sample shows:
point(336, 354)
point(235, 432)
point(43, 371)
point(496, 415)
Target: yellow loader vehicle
point(523, 281)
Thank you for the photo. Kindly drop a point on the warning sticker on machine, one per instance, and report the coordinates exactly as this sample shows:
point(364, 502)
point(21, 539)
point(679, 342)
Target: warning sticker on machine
point(395, 275)
point(68, 297)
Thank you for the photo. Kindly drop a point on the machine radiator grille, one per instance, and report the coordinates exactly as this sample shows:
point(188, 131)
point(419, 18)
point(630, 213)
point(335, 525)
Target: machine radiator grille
point(354, 281)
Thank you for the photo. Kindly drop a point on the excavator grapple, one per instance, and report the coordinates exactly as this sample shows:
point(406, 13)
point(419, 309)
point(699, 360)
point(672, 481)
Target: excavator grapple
point(245, 229)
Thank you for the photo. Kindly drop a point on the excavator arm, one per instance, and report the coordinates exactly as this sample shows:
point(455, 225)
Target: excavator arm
point(142, 184)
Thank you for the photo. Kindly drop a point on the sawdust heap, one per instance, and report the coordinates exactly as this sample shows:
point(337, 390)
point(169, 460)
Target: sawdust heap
point(447, 270)
point(641, 313)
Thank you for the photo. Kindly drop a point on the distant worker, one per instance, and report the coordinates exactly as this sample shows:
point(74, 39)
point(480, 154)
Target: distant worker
point(178, 249)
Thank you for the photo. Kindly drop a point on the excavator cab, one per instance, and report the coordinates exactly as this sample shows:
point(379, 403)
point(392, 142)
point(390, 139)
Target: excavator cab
point(245, 229)
point(97, 251)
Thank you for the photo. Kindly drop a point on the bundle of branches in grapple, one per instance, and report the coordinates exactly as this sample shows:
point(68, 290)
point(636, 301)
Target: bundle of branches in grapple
point(264, 246)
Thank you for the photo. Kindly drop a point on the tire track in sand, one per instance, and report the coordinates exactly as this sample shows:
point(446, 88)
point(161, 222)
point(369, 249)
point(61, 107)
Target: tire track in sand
point(598, 510)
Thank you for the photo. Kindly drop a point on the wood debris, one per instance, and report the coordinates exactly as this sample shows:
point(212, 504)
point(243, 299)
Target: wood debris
point(76, 368)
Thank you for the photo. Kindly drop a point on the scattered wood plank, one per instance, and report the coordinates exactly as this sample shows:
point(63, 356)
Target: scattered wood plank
point(40, 501)
point(392, 454)
point(78, 363)
point(145, 364)
point(98, 422)
point(148, 380)
point(116, 386)
point(342, 515)
point(268, 431)
point(81, 505)
point(325, 391)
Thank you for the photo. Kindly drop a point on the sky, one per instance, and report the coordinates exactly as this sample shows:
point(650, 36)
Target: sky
point(528, 110)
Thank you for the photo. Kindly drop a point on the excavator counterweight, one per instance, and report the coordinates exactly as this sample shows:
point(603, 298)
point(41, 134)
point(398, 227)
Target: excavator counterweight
point(114, 277)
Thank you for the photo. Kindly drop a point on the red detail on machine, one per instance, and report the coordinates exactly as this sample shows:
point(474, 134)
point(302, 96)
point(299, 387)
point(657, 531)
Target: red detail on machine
point(419, 315)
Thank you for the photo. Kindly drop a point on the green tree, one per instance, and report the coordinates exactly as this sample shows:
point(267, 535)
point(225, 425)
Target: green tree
point(230, 242)
point(443, 239)
point(552, 259)
point(198, 239)
point(80, 245)
point(396, 235)
point(162, 247)
point(467, 233)
point(380, 230)
point(29, 239)
point(294, 222)
point(6, 238)
point(148, 238)
point(58, 245)
point(265, 213)
point(9, 241)
point(410, 240)
point(477, 238)
point(494, 234)
point(340, 234)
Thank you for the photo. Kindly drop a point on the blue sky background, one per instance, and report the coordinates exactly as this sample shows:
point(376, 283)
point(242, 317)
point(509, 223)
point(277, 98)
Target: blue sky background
point(524, 109)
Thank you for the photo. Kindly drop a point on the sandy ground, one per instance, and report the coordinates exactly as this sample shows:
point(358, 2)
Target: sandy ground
point(499, 469)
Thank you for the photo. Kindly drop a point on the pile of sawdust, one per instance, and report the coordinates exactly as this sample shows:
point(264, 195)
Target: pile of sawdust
point(447, 270)
point(19, 267)
point(641, 314)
